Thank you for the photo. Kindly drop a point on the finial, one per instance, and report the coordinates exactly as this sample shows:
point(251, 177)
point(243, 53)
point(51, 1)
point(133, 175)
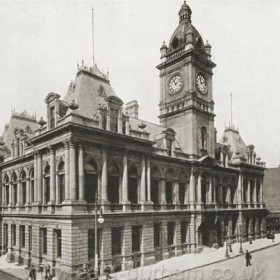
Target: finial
point(73, 105)
point(82, 62)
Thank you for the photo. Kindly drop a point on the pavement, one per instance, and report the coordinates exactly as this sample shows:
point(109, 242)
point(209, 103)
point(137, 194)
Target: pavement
point(163, 269)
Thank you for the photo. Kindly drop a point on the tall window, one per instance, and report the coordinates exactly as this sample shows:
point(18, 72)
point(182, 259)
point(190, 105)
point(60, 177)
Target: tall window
point(14, 236)
point(169, 147)
point(136, 238)
point(104, 122)
point(15, 186)
point(169, 192)
point(116, 241)
point(47, 183)
point(44, 236)
point(90, 181)
point(203, 137)
point(113, 184)
point(52, 117)
point(182, 193)
point(30, 237)
point(114, 119)
point(170, 233)
point(157, 234)
point(7, 189)
point(91, 242)
point(22, 236)
point(32, 196)
point(61, 182)
point(58, 243)
point(23, 187)
point(155, 192)
point(183, 232)
point(133, 185)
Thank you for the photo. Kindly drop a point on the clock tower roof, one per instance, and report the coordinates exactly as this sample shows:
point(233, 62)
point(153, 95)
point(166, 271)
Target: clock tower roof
point(185, 33)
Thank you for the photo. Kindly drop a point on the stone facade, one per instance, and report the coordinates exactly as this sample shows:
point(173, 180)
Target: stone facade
point(163, 190)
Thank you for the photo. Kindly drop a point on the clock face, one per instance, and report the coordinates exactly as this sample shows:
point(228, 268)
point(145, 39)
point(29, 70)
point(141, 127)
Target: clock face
point(201, 83)
point(176, 84)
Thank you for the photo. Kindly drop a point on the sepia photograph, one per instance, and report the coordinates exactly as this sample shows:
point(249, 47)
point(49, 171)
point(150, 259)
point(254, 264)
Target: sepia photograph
point(139, 140)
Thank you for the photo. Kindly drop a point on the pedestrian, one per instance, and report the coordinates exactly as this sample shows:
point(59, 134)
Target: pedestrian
point(248, 258)
point(48, 275)
point(273, 236)
point(107, 272)
point(32, 273)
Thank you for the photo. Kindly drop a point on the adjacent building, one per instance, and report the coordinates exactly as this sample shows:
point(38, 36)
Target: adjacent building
point(164, 189)
point(271, 197)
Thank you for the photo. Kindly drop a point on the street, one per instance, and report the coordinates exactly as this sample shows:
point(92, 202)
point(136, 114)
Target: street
point(265, 266)
point(5, 276)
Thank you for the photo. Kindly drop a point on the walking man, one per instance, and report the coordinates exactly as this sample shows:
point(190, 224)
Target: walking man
point(32, 273)
point(107, 271)
point(248, 258)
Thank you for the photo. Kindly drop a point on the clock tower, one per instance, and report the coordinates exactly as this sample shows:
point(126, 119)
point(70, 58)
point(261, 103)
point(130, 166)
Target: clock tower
point(186, 98)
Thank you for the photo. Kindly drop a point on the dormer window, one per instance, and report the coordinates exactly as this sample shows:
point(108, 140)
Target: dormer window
point(175, 43)
point(169, 147)
point(114, 120)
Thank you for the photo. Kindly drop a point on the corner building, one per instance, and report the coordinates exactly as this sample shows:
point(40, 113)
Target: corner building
point(164, 189)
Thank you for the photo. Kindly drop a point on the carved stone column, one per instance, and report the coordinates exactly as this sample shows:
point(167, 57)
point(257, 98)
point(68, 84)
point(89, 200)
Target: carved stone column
point(39, 178)
point(143, 183)
point(104, 178)
point(199, 191)
point(67, 190)
point(163, 195)
point(125, 201)
point(239, 190)
point(52, 176)
point(81, 174)
point(192, 189)
point(72, 168)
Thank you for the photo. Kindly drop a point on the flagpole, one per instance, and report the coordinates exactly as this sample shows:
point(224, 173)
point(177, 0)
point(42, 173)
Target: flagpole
point(92, 19)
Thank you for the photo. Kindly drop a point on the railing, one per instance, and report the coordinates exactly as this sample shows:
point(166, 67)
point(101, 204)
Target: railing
point(135, 207)
point(116, 207)
point(170, 206)
point(157, 207)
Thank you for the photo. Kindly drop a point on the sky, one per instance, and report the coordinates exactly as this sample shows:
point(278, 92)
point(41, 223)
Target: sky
point(41, 42)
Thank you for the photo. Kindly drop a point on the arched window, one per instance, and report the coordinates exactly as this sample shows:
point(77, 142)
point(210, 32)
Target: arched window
point(23, 187)
point(47, 183)
point(169, 177)
point(155, 192)
point(7, 190)
point(32, 190)
point(133, 185)
point(15, 186)
point(114, 184)
point(175, 43)
point(61, 182)
point(91, 187)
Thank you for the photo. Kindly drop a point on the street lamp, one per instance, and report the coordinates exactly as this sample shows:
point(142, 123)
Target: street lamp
point(240, 240)
point(226, 254)
point(100, 220)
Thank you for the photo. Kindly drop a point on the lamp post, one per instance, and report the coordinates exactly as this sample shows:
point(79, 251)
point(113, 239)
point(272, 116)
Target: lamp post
point(226, 254)
point(100, 220)
point(240, 240)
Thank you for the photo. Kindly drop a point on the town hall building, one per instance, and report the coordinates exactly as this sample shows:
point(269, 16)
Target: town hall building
point(163, 189)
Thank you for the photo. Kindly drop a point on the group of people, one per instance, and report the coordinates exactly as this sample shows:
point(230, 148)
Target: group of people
point(33, 273)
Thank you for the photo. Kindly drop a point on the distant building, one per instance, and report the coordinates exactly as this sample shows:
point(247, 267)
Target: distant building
point(272, 198)
point(165, 189)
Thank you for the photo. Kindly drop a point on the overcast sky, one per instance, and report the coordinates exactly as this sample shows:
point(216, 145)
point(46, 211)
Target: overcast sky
point(41, 42)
